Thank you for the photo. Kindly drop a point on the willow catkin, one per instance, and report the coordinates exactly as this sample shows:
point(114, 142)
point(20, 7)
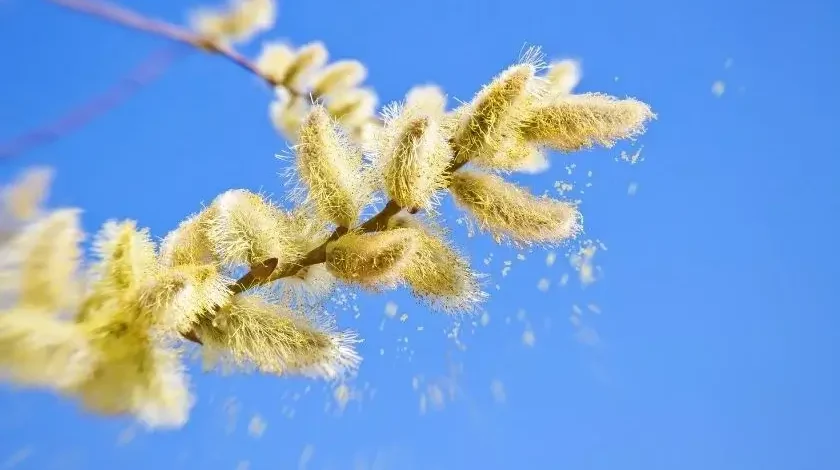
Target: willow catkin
point(23, 199)
point(188, 244)
point(126, 256)
point(240, 21)
point(274, 61)
point(414, 154)
point(245, 228)
point(42, 351)
point(180, 295)
point(309, 58)
point(331, 170)
point(353, 108)
point(510, 212)
point(439, 274)
point(574, 122)
point(427, 99)
point(135, 373)
point(372, 259)
point(255, 332)
point(563, 76)
point(39, 265)
point(495, 113)
point(337, 77)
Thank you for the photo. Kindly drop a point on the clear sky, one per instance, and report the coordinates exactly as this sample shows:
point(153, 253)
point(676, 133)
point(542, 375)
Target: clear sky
point(716, 343)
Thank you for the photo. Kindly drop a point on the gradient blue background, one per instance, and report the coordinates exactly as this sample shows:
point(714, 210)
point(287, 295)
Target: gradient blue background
point(718, 339)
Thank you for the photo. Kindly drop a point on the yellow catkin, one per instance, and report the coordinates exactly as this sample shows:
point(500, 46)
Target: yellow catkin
point(245, 228)
point(23, 199)
point(287, 114)
point(136, 373)
point(257, 332)
point(353, 108)
point(311, 283)
point(563, 76)
point(372, 259)
point(240, 21)
point(575, 122)
point(188, 244)
point(274, 61)
point(42, 351)
point(495, 113)
point(337, 77)
point(308, 59)
point(439, 274)
point(428, 99)
point(180, 295)
point(40, 264)
point(330, 170)
point(510, 212)
point(126, 255)
point(414, 155)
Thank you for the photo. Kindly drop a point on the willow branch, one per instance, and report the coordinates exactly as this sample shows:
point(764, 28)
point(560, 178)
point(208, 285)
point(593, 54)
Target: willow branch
point(134, 20)
point(144, 74)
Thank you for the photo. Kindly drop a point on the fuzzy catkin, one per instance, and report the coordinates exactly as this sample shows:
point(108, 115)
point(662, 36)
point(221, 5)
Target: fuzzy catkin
point(510, 212)
point(575, 122)
point(414, 155)
point(439, 274)
point(494, 114)
point(372, 259)
point(331, 170)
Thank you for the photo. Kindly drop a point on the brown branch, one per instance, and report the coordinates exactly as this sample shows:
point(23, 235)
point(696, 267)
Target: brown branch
point(131, 19)
point(144, 74)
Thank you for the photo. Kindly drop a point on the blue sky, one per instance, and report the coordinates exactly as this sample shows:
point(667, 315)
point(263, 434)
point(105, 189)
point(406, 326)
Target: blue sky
point(716, 337)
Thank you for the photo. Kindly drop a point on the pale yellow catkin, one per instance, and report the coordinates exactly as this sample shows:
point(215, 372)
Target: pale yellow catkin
point(330, 169)
point(240, 21)
point(575, 122)
point(428, 99)
point(22, 200)
point(494, 114)
point(256, 332)
point(337, 77)
point(510, 212)
point(372, 259)
point(42, 261)
point(188, 244)
point(274, 61)
point(246, 228)
point(563, 76)
point(414, 154)
point(180, 295)
point(439, 274)
point(309, 58)
point(353, 108)
point(127, 257)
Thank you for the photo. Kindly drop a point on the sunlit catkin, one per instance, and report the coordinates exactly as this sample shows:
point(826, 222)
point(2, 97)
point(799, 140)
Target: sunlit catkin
point(510, 212)
point(240, 21)
point(574, 122)
point(135, 373)
point(337, 77)
point(188, 244)
point(40, 264)
point(438, 274)
point(127, 257)
point(256, 332)
point(179, 295)
point(372, 259)
point(22, 200)
point(427, 99)
point(414, 155)
point(308, 59)
point(563, 76)
point(353, 108)
point(495, 113)
point(41, 351)
point(245, 228)
point(274, 61)
point(330, 169)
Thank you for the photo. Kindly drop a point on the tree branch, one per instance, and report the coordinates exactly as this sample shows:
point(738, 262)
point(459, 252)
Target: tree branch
point(145, 73)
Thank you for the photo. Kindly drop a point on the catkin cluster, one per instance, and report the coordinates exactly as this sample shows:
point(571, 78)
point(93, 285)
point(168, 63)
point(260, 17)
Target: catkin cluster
point(105, 330)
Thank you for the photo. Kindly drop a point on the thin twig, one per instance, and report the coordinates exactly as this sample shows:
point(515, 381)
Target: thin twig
point(144, 74)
